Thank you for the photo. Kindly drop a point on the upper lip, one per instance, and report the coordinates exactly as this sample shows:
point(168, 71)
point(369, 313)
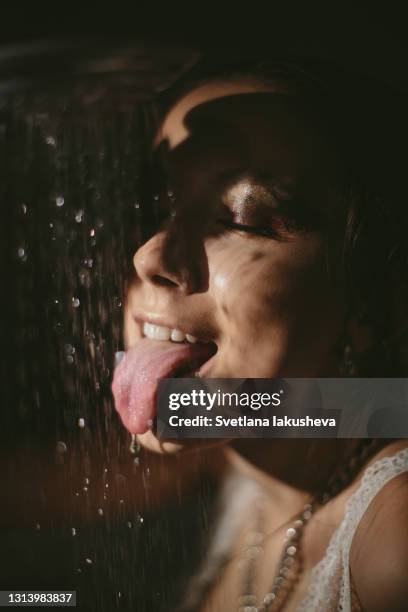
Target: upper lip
point(164, 321)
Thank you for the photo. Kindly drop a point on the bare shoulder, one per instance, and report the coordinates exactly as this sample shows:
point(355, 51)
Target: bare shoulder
point(379, 553)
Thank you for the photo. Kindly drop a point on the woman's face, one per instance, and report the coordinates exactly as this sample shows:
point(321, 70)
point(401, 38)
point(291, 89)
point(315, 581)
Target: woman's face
point(242, 258)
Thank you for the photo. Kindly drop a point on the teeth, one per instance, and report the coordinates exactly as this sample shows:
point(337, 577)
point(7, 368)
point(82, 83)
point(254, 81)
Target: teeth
point(159, 332)
point(156, 332)
point(177, 335)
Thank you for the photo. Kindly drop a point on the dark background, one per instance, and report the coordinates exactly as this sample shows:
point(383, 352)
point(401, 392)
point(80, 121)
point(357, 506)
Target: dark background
point(360, 35)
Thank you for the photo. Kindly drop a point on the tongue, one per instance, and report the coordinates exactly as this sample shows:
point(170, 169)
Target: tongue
point(135, 380)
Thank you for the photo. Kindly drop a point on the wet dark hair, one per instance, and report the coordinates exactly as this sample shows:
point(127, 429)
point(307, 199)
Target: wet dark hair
point(366, 122)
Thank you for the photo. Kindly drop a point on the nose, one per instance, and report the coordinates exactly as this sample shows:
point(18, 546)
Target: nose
point(173, 260)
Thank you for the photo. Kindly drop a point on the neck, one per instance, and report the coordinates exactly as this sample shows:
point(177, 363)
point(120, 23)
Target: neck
point(292, 470)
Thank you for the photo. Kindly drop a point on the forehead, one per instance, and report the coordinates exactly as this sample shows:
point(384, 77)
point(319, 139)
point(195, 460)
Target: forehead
point(246, 124)
point(174, 129)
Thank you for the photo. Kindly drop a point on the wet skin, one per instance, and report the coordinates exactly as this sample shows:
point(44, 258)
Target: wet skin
point(243, 258)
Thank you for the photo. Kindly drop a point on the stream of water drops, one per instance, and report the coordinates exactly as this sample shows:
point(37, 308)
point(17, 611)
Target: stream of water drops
point(75, 208)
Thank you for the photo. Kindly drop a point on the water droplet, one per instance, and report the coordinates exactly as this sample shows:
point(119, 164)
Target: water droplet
point(100, 511)
point(79, 570)
point(136, 205)
point(81, 422)
point(117, 301)
point(107, 486)
point(61, 447)
point(50, 140)
point(75, 302)
point(146, 478)
point(156, 197)
point(88, 262)
point(38, 526)
point(100, 223)
point(92, 232)
point(89, 561)
point(22, 254)
point(51, 225)
point(24, 209)
point(134, 444)
point(59, 201)
point(69, 349)
point(69, 359)
point(129, 524)
point(73, 531)
point(85, 489)
point(136, 461)
point(79, 216)
point(140, 518)
point(85, 278)
point(121, 501)
point(58, 327)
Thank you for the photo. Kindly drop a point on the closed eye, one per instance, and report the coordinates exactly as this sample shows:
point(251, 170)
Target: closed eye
point(267, 232)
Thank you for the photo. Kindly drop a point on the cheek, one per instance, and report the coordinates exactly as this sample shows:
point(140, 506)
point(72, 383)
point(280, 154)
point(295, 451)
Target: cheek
point(274, 300)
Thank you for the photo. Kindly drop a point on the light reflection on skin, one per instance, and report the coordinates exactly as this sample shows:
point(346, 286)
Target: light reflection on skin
point(269, 304)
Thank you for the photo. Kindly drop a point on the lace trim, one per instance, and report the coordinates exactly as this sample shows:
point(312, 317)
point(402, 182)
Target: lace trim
point(329, 588)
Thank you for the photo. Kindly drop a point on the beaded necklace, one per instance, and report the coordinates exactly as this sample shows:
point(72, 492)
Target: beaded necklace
point(290, 564)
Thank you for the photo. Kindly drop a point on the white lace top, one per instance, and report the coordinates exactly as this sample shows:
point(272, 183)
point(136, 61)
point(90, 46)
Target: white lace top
point(329, 588)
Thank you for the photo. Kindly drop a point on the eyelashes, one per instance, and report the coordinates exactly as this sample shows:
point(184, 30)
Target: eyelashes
point(280, 227)
point(269, 232)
